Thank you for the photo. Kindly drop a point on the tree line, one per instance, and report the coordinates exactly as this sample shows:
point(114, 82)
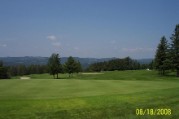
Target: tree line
point(21, 70)
point(117, 64)
point(3, 71)
point(167, 54)
point(54, 67)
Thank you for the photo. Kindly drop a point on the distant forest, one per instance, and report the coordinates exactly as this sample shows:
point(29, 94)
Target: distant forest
point(105, 65)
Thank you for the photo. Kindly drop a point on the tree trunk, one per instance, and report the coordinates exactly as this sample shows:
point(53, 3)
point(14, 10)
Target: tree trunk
point(177, 72)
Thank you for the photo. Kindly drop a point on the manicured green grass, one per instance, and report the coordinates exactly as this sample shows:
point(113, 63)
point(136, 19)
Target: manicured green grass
point(127, 75)
point(72, 98)
point(110, 75)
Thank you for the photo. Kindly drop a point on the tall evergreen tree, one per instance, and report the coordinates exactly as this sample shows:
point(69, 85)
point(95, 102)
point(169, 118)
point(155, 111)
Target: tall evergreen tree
point(70, 66)
point(54, 65)
point(161, 57)
point(175, 49)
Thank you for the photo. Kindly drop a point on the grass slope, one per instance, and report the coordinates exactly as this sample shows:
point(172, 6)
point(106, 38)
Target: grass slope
point(91, 99)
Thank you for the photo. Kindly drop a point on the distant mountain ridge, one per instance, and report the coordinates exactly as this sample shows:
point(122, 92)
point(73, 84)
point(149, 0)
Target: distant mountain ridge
point(29, 60)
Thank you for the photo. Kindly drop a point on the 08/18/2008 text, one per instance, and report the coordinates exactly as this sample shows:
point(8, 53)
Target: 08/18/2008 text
point(151, 112)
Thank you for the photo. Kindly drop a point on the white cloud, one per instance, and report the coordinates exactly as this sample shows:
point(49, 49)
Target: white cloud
point(54, 41)
point(52, 38)
point(3, 45)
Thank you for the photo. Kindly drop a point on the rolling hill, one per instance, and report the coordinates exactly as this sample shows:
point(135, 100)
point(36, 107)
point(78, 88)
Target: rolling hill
point(85, 62)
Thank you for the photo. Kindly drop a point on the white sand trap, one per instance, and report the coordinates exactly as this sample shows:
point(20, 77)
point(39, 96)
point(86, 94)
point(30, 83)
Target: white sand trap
point(93, 73)
point(24, 77)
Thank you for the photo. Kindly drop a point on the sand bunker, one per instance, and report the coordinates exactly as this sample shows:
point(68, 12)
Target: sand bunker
point(24, 77)
point(92, 73)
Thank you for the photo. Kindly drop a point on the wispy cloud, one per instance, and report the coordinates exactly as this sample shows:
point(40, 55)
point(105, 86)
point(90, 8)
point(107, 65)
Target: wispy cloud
point(3, 45)
point(52, 38)
point(54, 41)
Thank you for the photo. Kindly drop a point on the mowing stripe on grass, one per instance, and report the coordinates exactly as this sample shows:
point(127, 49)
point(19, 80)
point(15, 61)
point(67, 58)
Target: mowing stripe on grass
point(51, 89)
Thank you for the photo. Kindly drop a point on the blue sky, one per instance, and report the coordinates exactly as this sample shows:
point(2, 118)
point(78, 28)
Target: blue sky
point(85, 28)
